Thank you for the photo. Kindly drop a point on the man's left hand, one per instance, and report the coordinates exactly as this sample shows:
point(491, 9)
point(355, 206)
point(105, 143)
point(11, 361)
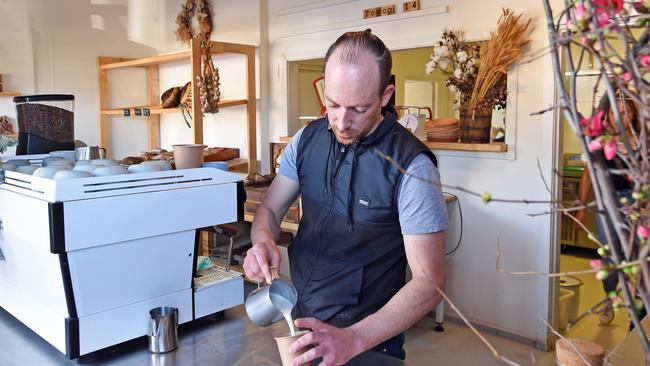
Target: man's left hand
point(335, 346)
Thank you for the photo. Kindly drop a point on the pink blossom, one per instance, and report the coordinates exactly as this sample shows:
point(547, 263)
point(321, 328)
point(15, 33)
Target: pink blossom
point(626, 77)
point(596, 144)
point(602, 19)
point(643, 231)
point(596, 264)
point(610, 149)
point(602, 5)
point(594, 126)
point(644, 60)
point(580, 11)
point(569, 24)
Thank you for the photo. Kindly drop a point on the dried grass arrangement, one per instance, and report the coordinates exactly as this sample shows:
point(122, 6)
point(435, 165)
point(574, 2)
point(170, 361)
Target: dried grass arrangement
point(208, 82)
point(498, 54)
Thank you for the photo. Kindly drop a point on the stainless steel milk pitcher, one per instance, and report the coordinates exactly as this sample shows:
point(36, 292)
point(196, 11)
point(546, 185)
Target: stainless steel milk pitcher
point(163, 329)
point(90, 153)
point(260, 306)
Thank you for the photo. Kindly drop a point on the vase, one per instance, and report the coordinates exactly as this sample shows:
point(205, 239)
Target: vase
point(475, 124)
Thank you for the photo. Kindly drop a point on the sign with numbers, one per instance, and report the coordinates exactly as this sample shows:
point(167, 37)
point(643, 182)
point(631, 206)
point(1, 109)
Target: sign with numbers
point(379, 11)
point(411, 5)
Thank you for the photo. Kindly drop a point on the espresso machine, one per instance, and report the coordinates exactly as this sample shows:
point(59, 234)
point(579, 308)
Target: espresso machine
point(45, 123)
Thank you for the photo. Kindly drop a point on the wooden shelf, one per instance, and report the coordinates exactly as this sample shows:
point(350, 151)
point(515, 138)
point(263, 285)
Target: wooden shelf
point(458, 146)
point(9, 94)
point(238, 165)
point(217, 47)
point(193, 57)
point(157, 109)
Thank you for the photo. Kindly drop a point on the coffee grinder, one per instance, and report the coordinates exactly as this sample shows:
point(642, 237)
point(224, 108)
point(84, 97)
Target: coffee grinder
point(45, 123)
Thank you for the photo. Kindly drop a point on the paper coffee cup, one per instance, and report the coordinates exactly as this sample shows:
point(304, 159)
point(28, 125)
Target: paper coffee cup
point(283, 347)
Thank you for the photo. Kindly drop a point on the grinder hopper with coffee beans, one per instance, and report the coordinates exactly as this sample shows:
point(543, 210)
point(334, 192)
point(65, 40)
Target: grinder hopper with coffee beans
point(45, 123)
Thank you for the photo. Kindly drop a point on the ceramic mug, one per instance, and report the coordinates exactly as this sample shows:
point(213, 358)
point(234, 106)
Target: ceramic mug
point(188, 156)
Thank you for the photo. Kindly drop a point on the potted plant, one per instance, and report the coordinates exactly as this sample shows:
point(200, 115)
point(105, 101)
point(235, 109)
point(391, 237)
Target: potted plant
point(457, 59)
point(477, 72)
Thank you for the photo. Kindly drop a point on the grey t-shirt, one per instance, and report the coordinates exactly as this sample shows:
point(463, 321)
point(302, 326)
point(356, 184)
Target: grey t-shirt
point(421, 207)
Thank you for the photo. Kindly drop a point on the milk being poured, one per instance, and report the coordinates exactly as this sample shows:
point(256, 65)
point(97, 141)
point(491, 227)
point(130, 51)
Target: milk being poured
point(284, 306)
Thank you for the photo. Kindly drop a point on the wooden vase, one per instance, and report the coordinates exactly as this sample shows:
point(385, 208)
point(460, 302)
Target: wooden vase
point(475, 125)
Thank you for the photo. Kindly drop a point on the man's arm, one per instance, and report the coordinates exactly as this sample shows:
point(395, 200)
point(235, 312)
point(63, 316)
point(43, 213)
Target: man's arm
point(426, 257)
point(266, 227)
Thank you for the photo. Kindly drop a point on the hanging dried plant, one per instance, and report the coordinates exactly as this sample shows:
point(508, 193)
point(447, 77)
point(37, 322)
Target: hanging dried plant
point(208, 81)
point(184, 22)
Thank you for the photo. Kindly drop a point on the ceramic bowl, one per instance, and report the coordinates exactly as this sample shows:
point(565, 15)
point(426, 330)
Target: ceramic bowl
point(109, 170)
point(70, 174)
point(9, 167)
point(26, 169)
point(86, 168)
point(18, 162)
point(57, 161)
point(105, 162)
point(164, 165)
point(143, 168)
point(47, 171)
point(68, 154)
point(83, 162)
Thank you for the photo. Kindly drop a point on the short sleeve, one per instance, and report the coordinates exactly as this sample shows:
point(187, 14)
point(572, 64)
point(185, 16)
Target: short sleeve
point(421, 207)
point(288, 166)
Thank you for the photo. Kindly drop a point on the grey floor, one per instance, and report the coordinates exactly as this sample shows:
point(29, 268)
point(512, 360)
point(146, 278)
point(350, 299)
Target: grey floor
point(233, 340)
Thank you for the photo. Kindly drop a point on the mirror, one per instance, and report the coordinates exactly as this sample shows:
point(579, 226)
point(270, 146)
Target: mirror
point(416, 92)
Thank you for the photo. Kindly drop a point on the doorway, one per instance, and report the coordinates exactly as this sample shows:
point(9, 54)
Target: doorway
point(577, 295)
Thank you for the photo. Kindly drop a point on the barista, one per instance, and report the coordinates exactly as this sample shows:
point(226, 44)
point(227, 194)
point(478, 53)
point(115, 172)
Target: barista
point(363, 218)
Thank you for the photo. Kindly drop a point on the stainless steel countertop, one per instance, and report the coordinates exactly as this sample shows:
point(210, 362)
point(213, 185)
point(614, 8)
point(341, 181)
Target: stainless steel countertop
point(233, 340)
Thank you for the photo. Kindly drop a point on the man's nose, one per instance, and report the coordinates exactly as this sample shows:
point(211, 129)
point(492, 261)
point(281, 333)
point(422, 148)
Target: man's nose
point(343, 120)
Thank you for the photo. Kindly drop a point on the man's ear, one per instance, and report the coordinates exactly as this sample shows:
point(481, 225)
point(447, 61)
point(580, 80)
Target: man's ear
point(388, 92)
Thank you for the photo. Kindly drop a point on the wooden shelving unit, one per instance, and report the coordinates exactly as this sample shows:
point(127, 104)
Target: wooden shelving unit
point(105, 64)
point(492, 147)
point(9, 94)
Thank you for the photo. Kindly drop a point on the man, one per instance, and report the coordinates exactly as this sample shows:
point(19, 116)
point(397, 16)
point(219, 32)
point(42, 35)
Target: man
point(362, 218)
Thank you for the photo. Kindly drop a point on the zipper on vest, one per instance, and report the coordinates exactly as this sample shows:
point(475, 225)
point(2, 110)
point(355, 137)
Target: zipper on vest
point(339, 157)
point(340, 154)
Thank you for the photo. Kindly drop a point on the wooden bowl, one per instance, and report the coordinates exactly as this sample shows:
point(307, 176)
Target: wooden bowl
point(441, 123)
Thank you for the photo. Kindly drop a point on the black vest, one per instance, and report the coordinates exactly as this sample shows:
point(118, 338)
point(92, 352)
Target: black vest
point(348, 258)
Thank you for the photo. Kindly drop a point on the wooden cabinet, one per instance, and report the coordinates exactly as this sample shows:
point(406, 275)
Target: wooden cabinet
point(153, 108)
point(254, 199)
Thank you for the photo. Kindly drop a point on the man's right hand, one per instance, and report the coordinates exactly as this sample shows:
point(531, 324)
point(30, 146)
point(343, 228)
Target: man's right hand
point(259, 260)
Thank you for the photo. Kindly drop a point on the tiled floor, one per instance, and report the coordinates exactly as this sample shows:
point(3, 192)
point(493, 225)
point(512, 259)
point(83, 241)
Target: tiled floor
point(457, 345)
point(592, 292)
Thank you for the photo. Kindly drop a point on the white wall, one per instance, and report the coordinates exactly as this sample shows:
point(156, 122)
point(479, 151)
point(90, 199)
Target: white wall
point(303, 30)
point(51, 46)
point(233, 21)
point(16, 62)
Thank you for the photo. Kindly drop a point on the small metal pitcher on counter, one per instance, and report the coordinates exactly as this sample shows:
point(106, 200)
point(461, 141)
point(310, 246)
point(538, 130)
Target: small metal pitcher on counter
point(163, 329)
point(260, 306)
point(90, 152)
